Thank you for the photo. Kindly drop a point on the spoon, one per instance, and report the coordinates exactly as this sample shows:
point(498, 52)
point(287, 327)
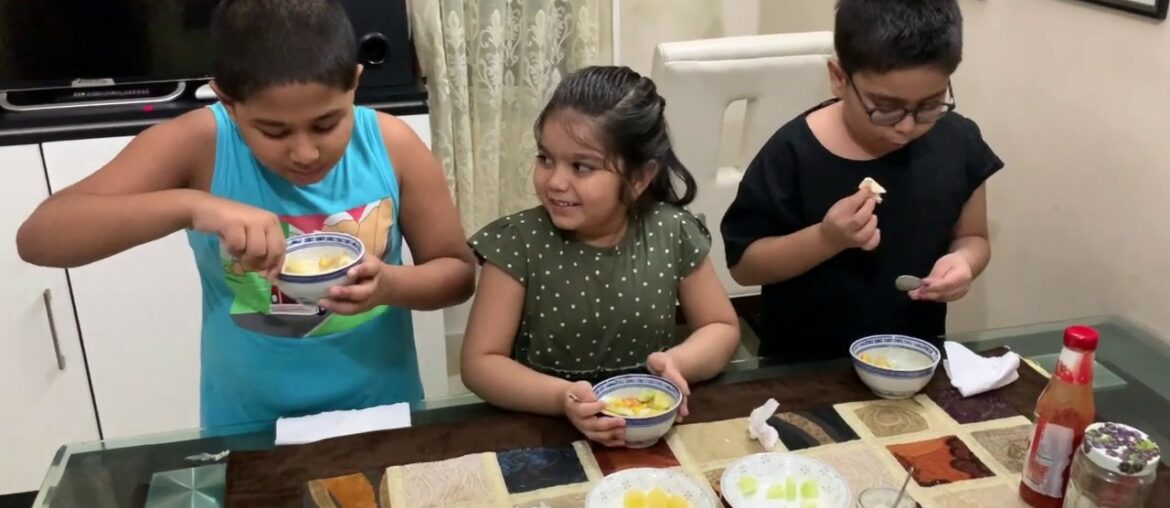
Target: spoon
point(902, 492)
point(907, 283)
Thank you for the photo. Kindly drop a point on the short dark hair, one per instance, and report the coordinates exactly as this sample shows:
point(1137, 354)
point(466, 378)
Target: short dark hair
point(879, 36)
point(258, 44)
point(627, 116)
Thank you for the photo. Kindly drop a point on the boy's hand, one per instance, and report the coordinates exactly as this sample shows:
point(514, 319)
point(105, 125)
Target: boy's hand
point(364, 290)
point(851, 223)
point(948, 281)
point(248, 234)
point(584, 412)
point(661, 364)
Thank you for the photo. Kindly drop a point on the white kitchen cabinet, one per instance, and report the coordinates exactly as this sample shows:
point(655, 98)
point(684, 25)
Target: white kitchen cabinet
point(139, 314)
point(45, 402)
point(429, 331)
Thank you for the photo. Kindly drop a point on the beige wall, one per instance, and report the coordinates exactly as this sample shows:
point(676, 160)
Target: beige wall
point(644, 24)
point(1083, 124)
point(784, 16)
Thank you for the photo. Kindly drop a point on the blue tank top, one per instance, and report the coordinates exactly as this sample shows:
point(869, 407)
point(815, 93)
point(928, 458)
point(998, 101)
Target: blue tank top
point(264, 355)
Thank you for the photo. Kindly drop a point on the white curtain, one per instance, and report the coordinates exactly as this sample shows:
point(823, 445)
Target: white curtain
point(490, 67)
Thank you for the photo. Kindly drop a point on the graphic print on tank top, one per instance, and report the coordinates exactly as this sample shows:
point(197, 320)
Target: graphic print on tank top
point(261, 307)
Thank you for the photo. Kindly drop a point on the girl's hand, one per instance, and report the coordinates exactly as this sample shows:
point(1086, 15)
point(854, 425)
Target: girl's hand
point(661, 364)
point(584, 411)
point(950, 280)
point(366, 285)
point(248, 234)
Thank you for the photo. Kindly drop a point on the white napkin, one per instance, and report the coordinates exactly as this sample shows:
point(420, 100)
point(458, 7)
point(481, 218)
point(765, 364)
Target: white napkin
point(972, 374)
point(758, 427)
point(307, 429)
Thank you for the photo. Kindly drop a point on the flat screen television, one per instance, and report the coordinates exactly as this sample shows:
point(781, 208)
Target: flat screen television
point(80, 43)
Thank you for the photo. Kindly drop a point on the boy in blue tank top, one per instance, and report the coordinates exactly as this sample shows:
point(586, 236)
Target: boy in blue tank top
point(284, 152)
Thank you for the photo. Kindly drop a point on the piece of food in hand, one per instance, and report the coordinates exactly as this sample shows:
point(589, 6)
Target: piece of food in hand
point(748, 485)
point(873, 187)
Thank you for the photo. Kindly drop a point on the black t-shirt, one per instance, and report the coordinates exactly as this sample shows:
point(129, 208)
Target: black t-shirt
point(792, 183)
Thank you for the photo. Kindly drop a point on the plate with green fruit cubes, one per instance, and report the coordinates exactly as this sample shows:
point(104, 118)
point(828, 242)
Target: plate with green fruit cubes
point(783, 480)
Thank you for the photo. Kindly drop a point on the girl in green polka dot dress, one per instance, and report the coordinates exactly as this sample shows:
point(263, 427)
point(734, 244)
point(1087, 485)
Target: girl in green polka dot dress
point(585, 286)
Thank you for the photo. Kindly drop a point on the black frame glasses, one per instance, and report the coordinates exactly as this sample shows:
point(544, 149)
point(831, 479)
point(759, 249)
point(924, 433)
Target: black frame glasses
point(890, 117)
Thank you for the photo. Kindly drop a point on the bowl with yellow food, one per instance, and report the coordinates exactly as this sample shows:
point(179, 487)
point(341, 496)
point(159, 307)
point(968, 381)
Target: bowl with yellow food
point(649, 405)
point(894, 366)
point(316, 262)
point(649, 488)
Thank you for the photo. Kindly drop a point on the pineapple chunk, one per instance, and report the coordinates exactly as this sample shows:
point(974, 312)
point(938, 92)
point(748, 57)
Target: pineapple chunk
point(776, 491)
point(657, 499)
point(748, 485)
point(634, 499)
point(678, 502)
point(810, 490)
point(661, 401)
point(300, 266)
point(621, 410)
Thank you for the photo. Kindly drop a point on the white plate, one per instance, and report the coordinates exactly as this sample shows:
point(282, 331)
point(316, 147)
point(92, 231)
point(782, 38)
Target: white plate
point(770, 468)
point(610, 492)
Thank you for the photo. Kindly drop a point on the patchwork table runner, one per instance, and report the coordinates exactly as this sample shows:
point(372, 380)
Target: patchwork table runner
point(966, 452)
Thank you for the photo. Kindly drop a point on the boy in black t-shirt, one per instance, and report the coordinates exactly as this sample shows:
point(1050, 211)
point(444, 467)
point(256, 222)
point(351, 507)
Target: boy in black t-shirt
point(801, 226)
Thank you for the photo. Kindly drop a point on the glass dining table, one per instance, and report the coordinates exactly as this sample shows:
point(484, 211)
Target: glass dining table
point(1131, 383)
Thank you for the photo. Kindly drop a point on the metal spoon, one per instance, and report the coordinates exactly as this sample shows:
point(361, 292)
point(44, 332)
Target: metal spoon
point(907, 283)
point(902, 492)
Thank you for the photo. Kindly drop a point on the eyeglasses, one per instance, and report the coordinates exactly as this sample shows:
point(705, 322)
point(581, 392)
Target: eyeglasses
point(891, 116)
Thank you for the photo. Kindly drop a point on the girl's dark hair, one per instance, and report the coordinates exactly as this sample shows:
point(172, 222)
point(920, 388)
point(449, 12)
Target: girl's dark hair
point(626, 112)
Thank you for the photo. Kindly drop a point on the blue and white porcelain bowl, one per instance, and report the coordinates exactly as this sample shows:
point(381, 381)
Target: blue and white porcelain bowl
point(310, 288)
point(894, 366)
point(641, 432)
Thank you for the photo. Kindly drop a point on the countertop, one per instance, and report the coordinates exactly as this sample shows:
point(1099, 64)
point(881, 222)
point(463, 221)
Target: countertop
point(23, 128)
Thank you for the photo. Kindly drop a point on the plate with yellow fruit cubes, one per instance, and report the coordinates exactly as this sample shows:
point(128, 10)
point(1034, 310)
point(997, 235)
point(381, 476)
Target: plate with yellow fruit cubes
point(783, 480)
point(648, 488)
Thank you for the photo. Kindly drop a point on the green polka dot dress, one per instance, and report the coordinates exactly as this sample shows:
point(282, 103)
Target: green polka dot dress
point(593, 312)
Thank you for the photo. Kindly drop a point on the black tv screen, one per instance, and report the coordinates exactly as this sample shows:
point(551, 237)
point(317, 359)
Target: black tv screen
point(62, 43)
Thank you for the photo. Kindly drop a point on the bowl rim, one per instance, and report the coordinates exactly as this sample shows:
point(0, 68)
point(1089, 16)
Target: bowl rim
point(856, 348)
point(675, 394)
point(345, 240)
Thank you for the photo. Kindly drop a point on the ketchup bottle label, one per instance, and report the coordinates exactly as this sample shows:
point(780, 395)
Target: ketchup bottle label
point(1049, 457)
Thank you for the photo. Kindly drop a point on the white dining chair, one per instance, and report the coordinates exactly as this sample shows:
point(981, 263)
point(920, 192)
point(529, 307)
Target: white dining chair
point(778, 76)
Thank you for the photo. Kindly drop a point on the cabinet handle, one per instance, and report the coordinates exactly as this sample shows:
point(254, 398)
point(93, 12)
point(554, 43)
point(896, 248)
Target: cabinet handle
point(47, 296)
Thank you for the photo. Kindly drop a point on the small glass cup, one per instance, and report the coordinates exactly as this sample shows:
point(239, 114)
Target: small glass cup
point(883, 497)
